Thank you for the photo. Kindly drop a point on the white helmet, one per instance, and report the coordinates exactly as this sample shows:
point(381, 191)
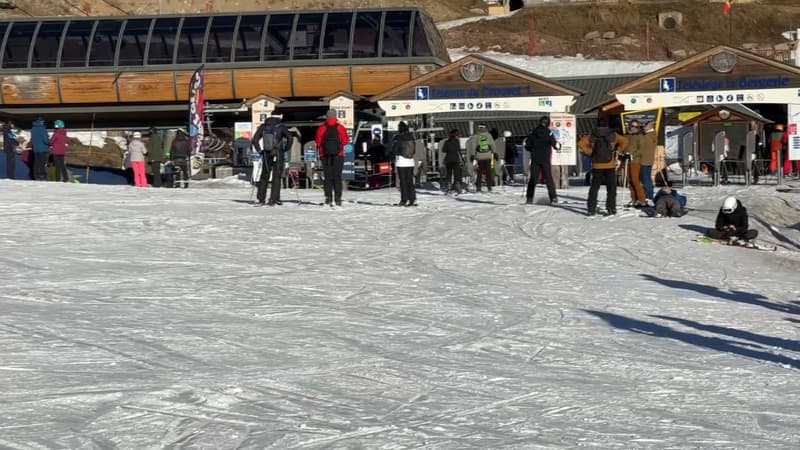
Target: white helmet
point(137, 135)
point(507, 134)
point(729, 205)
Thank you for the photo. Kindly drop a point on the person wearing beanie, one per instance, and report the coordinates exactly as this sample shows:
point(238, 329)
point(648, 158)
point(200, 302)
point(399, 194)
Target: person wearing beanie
point(58, 144)
point(331, 138)
point(137, 151)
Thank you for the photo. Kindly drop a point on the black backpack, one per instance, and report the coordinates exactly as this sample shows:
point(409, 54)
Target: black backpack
point(407, 146)
point(601, 148)
point(331, 142)
point(270, 139)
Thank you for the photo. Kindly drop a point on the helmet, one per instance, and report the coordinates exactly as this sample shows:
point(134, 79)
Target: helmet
point(137, 135)
point(507, 134)
point(58, 124)
point(779, 127)
point(729, 205)
point(544, 122)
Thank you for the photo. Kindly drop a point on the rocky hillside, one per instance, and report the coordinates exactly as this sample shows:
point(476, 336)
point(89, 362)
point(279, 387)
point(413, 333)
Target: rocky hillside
point(607, 31)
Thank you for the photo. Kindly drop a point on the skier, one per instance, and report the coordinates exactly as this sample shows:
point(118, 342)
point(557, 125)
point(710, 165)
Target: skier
point(58, 144)
point(40, 142)
point(732, 222)
point(510, 159)
point(138, 152)
point(482, 161)
point(331, 138)
point(271, 140)
point(602, 146)
point(451, 155)
point(10, 147)
point(155, 155)
point(541, 143)
point(404, 148)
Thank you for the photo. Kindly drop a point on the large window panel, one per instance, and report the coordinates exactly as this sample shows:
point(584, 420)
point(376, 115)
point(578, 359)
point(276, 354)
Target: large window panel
point(104, 43)
point(18, 45)
point(307, 36)
point(420, 43)
point(76, 43)
point(248, 38)
point(220, 39)
point(396, 30)
point(337, 35)
point(191, 40)
point(366, 35)
point(162, 41)
point(45, 49)
point(133, 42)
point(277, 39)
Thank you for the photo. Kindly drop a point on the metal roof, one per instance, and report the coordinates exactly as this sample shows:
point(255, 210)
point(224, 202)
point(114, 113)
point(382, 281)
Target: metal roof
point(596, 90)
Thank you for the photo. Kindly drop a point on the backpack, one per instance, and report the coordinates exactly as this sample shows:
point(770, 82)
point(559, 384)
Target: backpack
point(270, 139)
point(601, 149)
point(331, 142)
point(407, 148)
point(483, 144)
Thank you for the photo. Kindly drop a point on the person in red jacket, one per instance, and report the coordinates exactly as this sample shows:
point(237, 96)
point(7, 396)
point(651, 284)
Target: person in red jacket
point(58, 145)
point(331, 138)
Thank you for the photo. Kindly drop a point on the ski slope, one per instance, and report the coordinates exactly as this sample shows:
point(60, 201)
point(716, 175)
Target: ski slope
point(156, 318)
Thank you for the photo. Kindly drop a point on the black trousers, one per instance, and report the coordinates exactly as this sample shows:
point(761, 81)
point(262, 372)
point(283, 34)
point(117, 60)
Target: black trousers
point(407, 192)
point(61, 168)
point(332, 171)
point(11, 164)
point(717, 234)
point(453, 177)
point(536, 169)
point(40, 165)
point(484, 167)
point(155, 168)
point(274, 167)
point(607, 177)
point(508, 174)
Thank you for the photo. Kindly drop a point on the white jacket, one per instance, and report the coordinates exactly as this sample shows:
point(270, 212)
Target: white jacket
point(137, 150)
point(405, 162)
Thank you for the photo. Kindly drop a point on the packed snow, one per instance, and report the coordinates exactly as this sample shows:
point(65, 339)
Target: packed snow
point(458, 22)
point(168, 318)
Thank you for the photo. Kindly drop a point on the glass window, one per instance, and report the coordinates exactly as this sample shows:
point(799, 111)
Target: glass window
point(76, 43)
point(104, 43)
point(306, 36)
point(18, 45)
point(420, 43)
point(248, 39)
point(220, 39)
point(337, 35)
point(278, 31)
point(365, 36)
point(45, 50)
point(395, 33)
point(191, 40)
point(435, 38)
point(162, 41)
point(134, 39)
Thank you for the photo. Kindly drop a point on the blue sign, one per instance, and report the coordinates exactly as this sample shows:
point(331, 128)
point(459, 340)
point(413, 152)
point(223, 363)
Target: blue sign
point(349, 169)
point(310, 154)
point(476, 92)
point(666, 85)
point(422, 93)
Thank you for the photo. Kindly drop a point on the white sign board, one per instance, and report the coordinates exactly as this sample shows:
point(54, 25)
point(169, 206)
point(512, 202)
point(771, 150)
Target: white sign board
point(260, 111)
point(345, 111)
point(400, 108)
point(672, 99)
point(565, 129)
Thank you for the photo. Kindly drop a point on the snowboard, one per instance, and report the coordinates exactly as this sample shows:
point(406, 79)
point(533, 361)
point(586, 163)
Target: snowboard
point(751, 244)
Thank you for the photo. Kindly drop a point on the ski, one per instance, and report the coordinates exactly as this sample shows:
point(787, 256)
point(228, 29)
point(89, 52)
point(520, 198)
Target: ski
point(751, 244)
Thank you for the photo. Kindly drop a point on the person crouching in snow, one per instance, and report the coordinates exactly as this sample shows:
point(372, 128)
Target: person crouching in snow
point(732, 222)
point(669, 203)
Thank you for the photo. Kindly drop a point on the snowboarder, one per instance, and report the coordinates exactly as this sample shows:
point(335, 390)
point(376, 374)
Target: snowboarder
point(732, 222)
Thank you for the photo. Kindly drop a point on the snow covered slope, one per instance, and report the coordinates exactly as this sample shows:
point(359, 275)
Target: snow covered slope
point(135, 318)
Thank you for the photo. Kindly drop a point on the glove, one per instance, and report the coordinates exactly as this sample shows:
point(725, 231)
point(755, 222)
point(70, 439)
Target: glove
point(474, 163)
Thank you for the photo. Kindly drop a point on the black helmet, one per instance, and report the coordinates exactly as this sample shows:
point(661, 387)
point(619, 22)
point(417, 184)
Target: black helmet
point(544, 122)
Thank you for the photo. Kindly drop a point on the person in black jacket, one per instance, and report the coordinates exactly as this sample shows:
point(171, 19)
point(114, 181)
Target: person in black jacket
point(540, 143)
point(453, 161)
point(271, 139)
point(732, 222)
point(510, 159)
point(179, 152)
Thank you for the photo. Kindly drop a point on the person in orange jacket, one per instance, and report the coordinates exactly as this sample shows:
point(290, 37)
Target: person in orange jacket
point(602, 145)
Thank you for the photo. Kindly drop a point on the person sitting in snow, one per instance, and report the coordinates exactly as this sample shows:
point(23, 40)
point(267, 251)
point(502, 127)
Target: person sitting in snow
point(669, 203)
point(732, 222)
